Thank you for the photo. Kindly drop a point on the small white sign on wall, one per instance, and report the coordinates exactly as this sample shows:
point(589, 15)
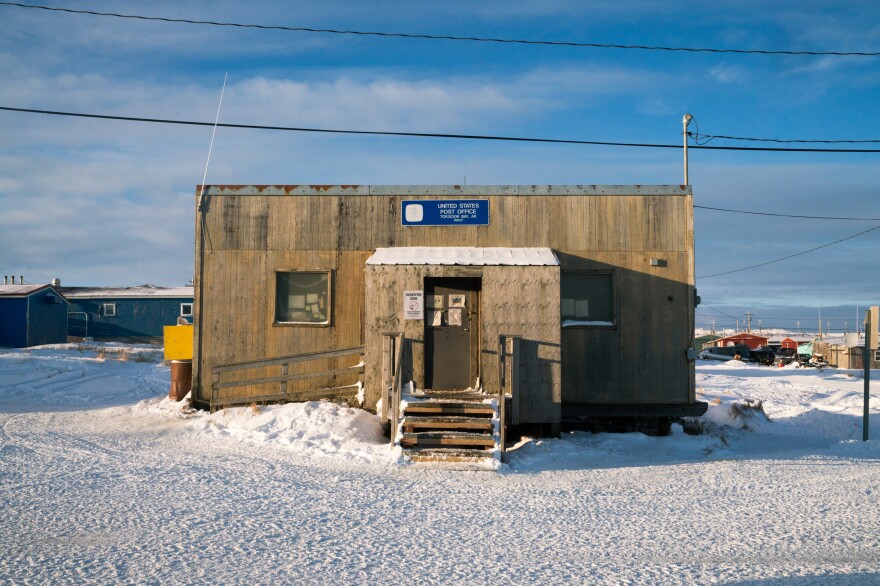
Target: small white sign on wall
point(413, 305)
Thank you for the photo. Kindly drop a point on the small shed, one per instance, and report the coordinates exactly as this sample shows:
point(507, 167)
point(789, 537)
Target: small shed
point(32, 315)
point(751, 340)
point(788, 344)
point(134, 314)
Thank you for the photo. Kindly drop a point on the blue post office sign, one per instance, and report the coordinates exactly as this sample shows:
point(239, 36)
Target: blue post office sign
point(444, 212)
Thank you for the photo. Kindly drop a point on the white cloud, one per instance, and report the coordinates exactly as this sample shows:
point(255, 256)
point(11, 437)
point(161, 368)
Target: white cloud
point(727, 73)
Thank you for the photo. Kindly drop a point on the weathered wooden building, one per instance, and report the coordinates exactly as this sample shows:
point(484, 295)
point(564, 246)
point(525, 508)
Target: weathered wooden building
point(595, 284)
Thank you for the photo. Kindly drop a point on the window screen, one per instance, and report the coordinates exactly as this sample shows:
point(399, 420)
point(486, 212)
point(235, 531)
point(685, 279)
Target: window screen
point(302, 297)
point(586, 299)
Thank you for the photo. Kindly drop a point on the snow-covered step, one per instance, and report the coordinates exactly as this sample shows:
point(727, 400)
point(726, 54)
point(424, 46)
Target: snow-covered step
point(450, 455)
point(470, 395)
point(454, 427)
point(447, 438)
point(447, 422)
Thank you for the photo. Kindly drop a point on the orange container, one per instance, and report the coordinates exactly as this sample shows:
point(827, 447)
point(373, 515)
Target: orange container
point(181, 379)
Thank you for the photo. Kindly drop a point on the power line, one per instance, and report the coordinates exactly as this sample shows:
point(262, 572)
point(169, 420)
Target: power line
point(701, 139)
point(787, 215)
point(791, 255)
point(697, 136)
point(709, 316)
point(450, 37)
point(719, 311)
point(426, 134)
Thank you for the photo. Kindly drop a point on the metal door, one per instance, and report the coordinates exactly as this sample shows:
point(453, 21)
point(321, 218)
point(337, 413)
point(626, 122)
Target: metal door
point(451, 324)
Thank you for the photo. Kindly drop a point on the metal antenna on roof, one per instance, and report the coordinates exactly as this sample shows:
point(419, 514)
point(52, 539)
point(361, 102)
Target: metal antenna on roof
point(211, 148)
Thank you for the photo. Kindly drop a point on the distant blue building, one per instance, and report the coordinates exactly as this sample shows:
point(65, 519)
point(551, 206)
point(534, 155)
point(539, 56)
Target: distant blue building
point(32, 315)
point(132, 314)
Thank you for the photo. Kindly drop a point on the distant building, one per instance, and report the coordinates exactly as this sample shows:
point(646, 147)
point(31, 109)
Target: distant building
point(701, 342)
point(134, 314)
point(788, 344)
point(751, 340)
point(845, 351)
point(32, 315)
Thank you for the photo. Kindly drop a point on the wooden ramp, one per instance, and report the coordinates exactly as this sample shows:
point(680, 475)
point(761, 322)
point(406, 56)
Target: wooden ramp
point(449, 428)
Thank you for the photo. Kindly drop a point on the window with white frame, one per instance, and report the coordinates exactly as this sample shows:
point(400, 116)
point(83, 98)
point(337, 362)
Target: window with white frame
point(586, 299)
point(302, 297)
point(186, 309)
point(109, 310)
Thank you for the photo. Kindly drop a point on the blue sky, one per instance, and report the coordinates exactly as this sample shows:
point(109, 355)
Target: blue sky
point(111, 203)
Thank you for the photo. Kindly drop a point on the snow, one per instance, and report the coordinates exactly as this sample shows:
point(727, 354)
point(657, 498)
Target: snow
point(463, 255)
point(20, 290)
point(135, 292)
point(567, 323)
point(104, 480)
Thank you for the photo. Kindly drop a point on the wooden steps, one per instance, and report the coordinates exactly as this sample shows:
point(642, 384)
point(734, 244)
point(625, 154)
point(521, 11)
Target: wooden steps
point(447, 438)
point(449, 427)
point(449, 407)
point(451, 423)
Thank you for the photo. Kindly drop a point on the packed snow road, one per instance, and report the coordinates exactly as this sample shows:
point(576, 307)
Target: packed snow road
point(103, 481)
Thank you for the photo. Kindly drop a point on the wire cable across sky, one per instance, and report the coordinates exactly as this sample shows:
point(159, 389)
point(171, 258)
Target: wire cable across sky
point(448, 37)
point(426, 134)
point(702, 138)
point(770, 262)
point(702, 207)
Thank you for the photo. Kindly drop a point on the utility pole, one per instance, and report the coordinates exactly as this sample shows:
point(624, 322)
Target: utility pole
point(749, 326)
point(799, 328)
point(871, 318)
point(684, 132)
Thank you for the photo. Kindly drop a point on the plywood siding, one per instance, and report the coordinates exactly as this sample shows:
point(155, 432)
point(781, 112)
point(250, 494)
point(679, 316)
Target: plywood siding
point(524, 302)
point(642, 359)
point(252, 231)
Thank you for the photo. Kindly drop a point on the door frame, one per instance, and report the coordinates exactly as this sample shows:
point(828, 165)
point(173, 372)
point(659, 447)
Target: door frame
point(474, 285)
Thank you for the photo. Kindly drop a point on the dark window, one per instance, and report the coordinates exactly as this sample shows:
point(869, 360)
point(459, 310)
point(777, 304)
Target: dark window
point(109, 310)
point(186, 309)
point(302, 297)
point(586, 299)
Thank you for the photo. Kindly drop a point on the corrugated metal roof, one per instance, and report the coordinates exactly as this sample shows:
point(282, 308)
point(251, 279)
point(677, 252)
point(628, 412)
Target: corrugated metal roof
point(139, 291)
point(20, 290)
point(463, 255)
point(26, 290)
